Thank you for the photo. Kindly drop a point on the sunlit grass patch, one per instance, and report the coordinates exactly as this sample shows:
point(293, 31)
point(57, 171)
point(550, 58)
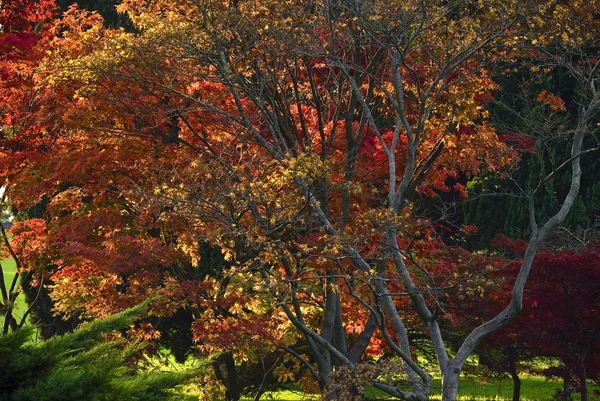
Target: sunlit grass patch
point(286, 395)
point(533, 388)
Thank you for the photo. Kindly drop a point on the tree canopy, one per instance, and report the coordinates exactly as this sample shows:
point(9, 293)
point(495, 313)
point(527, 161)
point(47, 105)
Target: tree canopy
point(286, 171)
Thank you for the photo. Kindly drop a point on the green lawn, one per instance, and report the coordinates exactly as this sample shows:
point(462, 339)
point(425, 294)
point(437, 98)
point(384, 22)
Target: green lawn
point(286, 396)
point(533, 388)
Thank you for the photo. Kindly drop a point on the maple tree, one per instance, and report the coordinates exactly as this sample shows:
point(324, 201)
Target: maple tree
point(306, 170)
point(297, 138)
point(504, 352)
point(558, 320)
point(23, 25)
point(561, 310)
point(567, 321)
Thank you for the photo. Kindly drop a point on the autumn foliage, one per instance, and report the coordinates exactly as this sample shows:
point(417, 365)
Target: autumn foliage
point(265, 166)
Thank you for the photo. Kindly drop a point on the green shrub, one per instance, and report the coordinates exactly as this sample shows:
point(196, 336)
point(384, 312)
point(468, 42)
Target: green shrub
point(82, 366)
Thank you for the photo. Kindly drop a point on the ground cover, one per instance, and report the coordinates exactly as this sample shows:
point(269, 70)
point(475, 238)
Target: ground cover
point(533, 388)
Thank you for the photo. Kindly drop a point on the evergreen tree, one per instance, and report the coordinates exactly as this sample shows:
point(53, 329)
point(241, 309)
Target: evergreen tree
point(501, 205)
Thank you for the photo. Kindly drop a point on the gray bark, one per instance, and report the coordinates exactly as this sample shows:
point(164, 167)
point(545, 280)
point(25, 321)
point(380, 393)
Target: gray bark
point(450, 381)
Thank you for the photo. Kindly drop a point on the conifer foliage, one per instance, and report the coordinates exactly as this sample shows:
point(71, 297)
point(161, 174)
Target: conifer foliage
point(82, 365)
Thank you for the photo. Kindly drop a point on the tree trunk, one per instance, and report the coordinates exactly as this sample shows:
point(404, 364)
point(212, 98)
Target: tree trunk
point(450, 380)
point(583, 385)
point(224, 368)
point(512, 364)
point(9, 322)
point(567, 389)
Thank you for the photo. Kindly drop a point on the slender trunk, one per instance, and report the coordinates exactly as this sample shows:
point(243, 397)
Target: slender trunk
point(567, 389)
point(10, 323)
point(232, 377)
point(339, 334)
point(224, 368)
point(512, 364)
point(583, 385)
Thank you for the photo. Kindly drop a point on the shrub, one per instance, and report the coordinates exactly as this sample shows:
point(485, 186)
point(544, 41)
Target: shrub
point(83, 365)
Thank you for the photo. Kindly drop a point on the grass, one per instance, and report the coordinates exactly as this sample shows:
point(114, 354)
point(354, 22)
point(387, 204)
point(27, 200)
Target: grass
point(533, 388)
point(286, 395)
